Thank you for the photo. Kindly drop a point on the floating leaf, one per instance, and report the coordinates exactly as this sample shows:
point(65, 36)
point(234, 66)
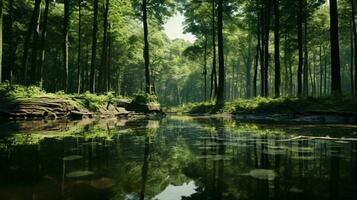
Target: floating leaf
point(102, 183)
point(263, 174)
point(72, 157)
point(78, 174)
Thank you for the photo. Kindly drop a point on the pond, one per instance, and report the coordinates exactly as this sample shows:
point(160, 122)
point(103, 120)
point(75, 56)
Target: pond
point(177, 157)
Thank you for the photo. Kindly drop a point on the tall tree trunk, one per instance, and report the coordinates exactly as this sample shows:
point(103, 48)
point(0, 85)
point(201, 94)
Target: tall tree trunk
point(277, 48)
point(10, 61)
point(146, 48)
point(306, 59)
point(266, 51)
point(43, 44)
point(354, 41)
point(221, 74)
point(286, 78)
point(262, 50)
point(94, 47)
point(248, 66)
point(335, 50)
point(300, 47)
point(79, 47)
point(256, 58)
point(109, 59)
point(205, 67)
point(325, 72)
point(104, 62)
point(321, 70)
point(29, 33)
point(214, 66)
point(1, 6)
point(34, 52)
point(352, 61)
point(257, 53)
point(65, 43)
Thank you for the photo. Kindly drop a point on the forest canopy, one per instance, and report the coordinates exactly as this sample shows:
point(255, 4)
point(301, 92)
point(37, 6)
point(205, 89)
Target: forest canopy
point(243, 49)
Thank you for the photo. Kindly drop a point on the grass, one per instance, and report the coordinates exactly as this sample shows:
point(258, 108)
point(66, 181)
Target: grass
point(18, 93)
point(272, 106)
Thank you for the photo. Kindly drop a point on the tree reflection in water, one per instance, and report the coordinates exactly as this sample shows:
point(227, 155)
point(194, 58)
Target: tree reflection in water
point(179, 158)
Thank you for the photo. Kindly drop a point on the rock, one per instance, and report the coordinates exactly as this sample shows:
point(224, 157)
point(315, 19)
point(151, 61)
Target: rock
point(122, 102)
point(145, 107)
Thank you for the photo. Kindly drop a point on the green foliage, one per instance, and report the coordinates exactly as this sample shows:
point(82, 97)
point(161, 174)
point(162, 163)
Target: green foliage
point(274, 106)
point(143, 97)
point(19, 91)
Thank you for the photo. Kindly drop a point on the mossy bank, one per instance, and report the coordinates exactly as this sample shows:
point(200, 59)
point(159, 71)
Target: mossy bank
point(19, 102)
point(329, 110)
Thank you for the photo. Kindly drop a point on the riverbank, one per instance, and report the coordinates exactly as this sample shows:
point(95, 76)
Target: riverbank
point(324, 110)
point(20, 102)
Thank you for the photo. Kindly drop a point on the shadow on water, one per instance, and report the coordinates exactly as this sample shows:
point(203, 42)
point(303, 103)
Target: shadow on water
point(177, 158)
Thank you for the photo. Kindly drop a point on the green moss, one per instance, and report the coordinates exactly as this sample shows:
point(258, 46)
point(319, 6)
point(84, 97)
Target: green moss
point(273, 106)
point(13, 93)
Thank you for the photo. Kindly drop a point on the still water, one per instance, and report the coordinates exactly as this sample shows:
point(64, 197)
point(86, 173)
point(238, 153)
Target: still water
point(177, 158)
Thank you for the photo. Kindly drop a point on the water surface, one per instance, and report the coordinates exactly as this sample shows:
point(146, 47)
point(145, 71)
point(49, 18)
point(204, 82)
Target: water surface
point(176, 157)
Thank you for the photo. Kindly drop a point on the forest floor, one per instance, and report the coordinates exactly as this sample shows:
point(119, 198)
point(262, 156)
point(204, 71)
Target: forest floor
point(20, 102)
point(328, 109)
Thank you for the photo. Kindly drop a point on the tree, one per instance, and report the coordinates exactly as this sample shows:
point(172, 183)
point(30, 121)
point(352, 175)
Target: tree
point(94, 47)
point(276, 48)
point(34, 52)
point(300, 46)
point(354, 42)
point(146, 48)
point(335, 50)
point(1, 5)
point(66, 19)
point(221, 73)
point(31, 29)
point(103, 84)
point(43, 44)
point(214, 86)
point(79, 79)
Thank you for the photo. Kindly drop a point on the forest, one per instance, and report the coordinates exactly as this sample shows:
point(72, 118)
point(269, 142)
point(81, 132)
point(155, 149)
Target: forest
point(243, 49)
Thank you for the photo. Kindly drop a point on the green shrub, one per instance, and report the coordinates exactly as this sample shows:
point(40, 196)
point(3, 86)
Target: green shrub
point(143, 97)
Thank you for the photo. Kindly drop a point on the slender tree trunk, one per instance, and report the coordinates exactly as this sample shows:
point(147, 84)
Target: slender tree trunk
point(8, 71)
point(221, 74)
point(286, 78)
point(1, 20)
point(255, 78)
point(214, 68)
point(29, 33)
point(335, 50)
point(109, 59)
point(103, 63)
point(321, 71)
point(262, 52)
point(94, 47)
point(65, 43)
point(256, 60)
point(306, 61)
point(34, 52)
point(351, 65)
point(300, 47)
point(146, 48)
point(354, 41)
point(205, 68)
point(266, 51)
point(79, 47)
point(43, 44)
point(248, 66)
point(325, 72)
point(277, 48)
